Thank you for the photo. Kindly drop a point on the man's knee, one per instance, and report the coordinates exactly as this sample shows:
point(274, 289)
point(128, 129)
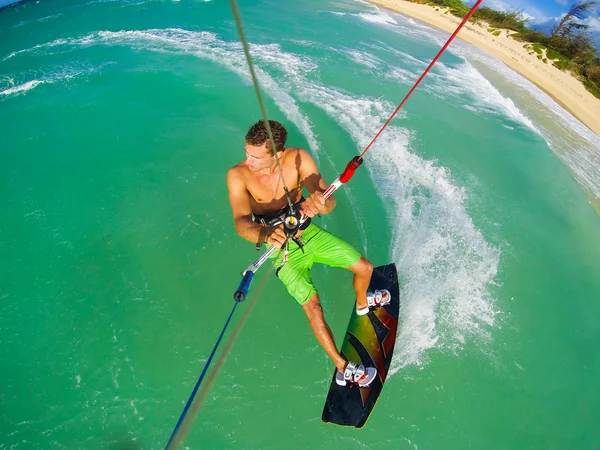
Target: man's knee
point(312, 306)
point(363, 267)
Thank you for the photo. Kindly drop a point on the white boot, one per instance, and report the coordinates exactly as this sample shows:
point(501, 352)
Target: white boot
point(375, 300)
point(354, 374)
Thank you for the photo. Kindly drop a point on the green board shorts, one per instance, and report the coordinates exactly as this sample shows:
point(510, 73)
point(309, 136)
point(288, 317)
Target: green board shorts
point(319, 247)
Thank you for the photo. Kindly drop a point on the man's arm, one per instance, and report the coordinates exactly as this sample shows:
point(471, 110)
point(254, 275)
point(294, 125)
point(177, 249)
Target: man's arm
point(315, 184)
point(239, 199)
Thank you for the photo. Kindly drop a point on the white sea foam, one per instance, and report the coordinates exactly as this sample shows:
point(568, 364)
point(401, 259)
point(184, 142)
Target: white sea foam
point(399, 54)
point(230, 55)
point(363, 58)
point(465, 85)
point(576, 145)
point(445, 263)
point(37, 48)
point(54, 76)
point(397, 23)
point(23, 87)
point(377, 17)
point(389, 20)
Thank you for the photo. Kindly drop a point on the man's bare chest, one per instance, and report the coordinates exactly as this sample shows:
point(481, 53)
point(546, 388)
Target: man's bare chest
point(267, 191)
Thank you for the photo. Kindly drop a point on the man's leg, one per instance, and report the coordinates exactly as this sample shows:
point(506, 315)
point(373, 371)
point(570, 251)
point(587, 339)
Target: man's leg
point(333, 251)
point(362, 270)
point(322, 331)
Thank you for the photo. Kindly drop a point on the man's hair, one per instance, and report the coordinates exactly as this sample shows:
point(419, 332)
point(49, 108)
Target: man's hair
point(257, 135)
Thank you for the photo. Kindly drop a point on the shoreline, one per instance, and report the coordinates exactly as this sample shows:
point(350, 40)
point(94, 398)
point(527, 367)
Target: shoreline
point(562, 87)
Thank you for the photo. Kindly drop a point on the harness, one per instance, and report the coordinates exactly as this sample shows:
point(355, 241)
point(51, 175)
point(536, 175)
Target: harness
point(290, 220)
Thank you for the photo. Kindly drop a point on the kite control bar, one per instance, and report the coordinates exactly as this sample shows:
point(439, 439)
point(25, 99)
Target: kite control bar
point(248, 274)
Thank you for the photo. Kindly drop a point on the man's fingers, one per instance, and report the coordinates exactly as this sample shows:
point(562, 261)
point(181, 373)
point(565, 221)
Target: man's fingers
point(315, 203)
point(306, 209)
point(277, 236)
point(279, 232)
point(320, 199)
point(276, 241)
point(312, 207)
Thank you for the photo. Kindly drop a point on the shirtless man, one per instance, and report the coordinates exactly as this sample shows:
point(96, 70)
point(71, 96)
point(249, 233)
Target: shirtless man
point(257, 199)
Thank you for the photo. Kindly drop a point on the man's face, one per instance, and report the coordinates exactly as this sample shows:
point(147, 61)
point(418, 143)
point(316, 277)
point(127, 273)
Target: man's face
point(258, 158)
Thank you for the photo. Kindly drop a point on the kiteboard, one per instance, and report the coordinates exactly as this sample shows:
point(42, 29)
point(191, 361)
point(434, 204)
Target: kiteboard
point(369, 341)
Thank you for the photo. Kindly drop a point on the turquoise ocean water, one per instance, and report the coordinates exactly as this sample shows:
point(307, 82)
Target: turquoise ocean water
point(118, 258)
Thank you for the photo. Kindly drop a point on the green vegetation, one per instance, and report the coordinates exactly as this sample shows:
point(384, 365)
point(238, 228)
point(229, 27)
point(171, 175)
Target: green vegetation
point(593, 72)
point(592, 87)
point(559, 61)
point(538, 48)
point(568, 47)
point(528, 35)
point(553, 54)
point(510, 21)
point(562, 65)
point(455, 7)
point(529, 49)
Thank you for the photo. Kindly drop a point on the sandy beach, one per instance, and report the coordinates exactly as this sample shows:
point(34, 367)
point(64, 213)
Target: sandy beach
point(562, 86)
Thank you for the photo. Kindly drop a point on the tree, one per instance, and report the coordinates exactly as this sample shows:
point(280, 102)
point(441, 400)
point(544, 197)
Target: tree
point(569, 23)
point(593, 72)
point(581, 49)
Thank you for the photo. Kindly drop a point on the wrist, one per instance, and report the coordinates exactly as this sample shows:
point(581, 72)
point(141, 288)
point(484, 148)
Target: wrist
point(263, 235)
